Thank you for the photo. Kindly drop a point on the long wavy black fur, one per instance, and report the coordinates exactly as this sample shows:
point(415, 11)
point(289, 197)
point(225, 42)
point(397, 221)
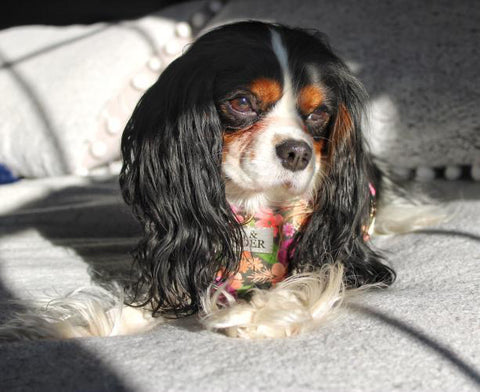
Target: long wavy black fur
point(172, 179)
point(335, 231)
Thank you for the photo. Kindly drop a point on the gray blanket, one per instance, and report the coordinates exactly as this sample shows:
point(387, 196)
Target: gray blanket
point(421, 334)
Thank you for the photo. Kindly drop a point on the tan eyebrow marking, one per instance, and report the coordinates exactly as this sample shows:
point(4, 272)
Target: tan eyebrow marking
point(309, 98)
point(268, 91)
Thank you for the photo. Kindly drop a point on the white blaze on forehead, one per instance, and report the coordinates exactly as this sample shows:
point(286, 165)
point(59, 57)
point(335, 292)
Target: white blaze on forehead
point(280, 50)
point(286, 106)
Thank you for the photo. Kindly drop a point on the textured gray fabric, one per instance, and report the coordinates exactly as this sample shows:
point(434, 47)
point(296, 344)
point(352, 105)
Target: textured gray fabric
point(410, 337)
point(418, 61)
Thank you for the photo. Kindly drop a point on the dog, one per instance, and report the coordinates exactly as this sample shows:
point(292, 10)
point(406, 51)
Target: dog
point(256, 116)
point(247, 167)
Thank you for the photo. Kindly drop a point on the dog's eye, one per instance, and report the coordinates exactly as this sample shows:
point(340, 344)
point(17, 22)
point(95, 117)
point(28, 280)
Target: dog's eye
point(317, 122)
point(241, 104)
point(238, 111)
point(319, 116)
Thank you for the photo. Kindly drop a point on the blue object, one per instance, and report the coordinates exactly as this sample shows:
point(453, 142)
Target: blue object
point(6, 176)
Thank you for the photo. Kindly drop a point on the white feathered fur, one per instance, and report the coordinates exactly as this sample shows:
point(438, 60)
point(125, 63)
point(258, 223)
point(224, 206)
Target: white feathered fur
point(88, 311)
point(297, 304)
point(400, 213)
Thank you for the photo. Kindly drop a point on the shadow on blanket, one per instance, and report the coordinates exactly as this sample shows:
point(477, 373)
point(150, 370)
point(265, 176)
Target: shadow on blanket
point(93, 221)
point(55, 366)
point(90, 222)
point(64, 219)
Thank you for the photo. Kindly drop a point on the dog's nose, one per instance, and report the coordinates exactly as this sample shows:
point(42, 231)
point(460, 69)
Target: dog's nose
point(295, 155)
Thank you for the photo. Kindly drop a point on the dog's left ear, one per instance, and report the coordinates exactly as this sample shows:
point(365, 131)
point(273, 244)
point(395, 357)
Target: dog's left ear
point(335, 230)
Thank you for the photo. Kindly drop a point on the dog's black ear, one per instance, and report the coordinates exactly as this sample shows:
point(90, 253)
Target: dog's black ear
point(171, 177)
point(335, 230)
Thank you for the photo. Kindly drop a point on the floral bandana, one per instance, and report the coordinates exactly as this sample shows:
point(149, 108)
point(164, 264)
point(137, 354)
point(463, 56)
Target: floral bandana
point(268, 236)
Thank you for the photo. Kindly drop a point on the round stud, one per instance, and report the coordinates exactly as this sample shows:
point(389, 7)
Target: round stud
point(172, 48)
point(114, 125)
point(453, 172)
point(215, 6)
point(141, 82)
point(155, 64)
point(403, 173)
point(475, 172)
point(183, 30)
point(98, 149)
point(424, 173)
point(199, 19)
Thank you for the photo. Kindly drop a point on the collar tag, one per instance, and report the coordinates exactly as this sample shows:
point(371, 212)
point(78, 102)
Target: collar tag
point(258, 239)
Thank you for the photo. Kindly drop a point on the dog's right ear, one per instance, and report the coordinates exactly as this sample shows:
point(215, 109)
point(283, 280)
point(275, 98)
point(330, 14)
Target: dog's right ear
point(171, 177)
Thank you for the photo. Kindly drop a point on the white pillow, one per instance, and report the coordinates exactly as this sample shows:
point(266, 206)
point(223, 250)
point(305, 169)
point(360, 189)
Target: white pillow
point(67, 92)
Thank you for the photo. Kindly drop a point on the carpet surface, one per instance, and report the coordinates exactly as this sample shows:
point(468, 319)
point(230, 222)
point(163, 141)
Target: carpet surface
point(422, 334)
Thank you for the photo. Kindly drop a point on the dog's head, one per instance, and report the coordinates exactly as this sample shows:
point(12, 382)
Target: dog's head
point(257, 115)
